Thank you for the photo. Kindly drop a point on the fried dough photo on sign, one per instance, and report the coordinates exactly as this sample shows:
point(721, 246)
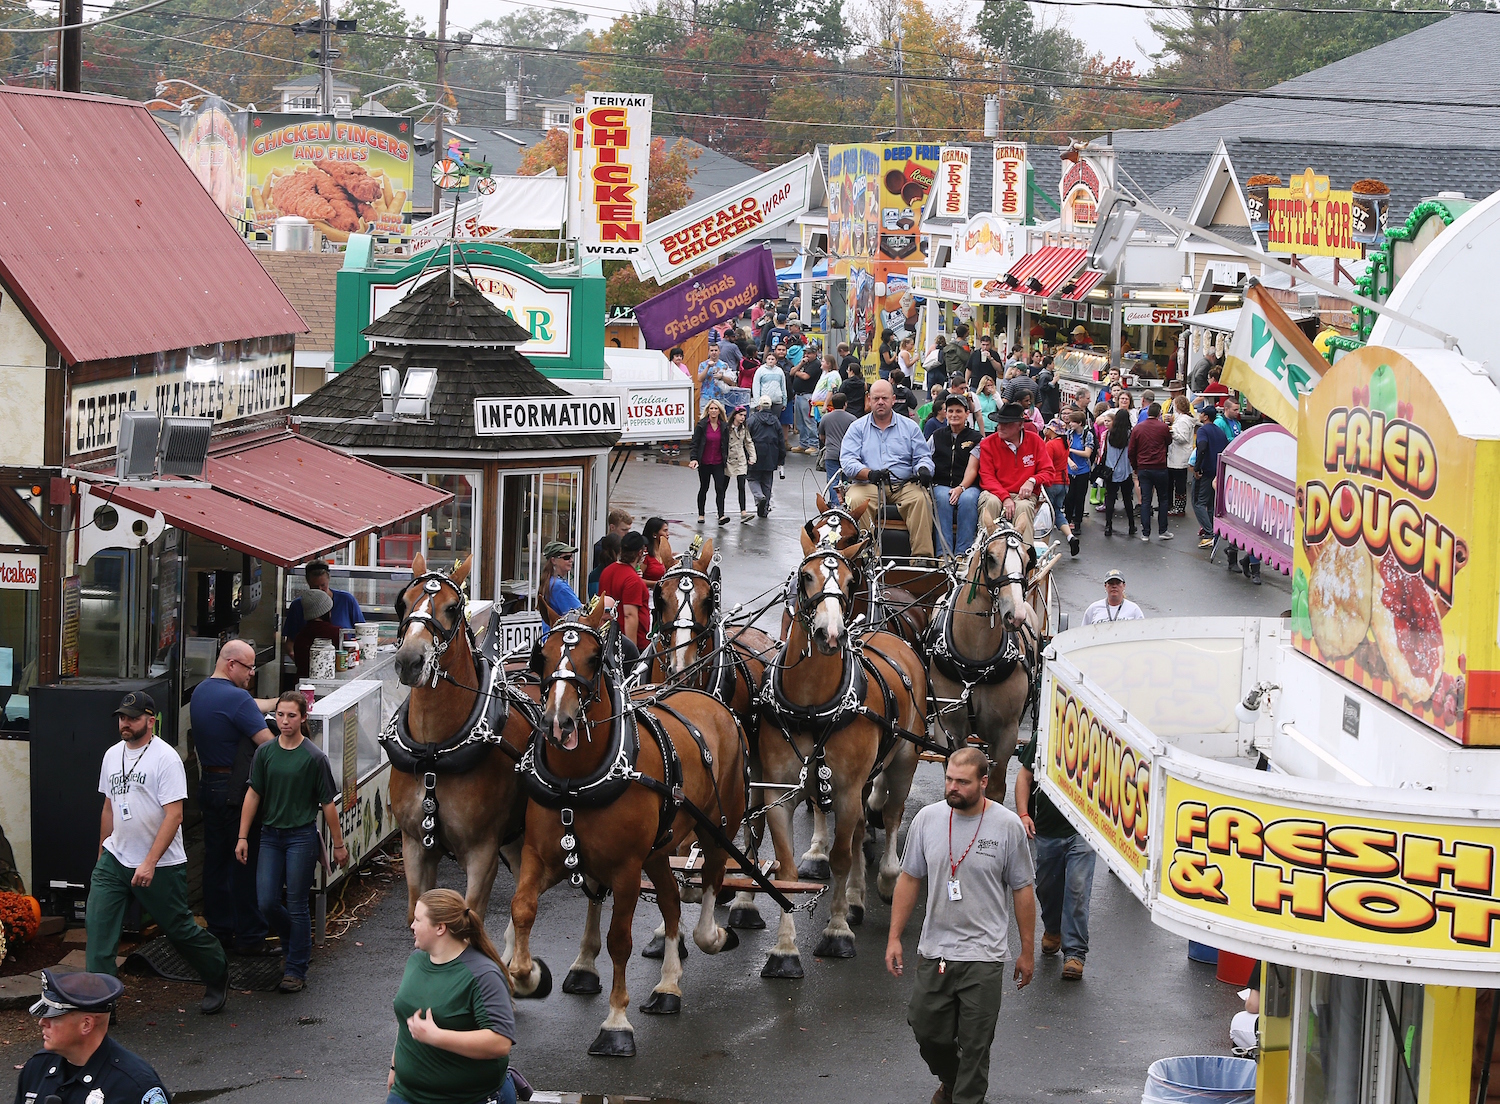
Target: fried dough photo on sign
point(1339, 597)
point(1408, 630)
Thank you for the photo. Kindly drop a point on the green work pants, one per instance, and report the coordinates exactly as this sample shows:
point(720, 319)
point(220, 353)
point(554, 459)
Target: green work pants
point(953, 1016)
point(165, 899)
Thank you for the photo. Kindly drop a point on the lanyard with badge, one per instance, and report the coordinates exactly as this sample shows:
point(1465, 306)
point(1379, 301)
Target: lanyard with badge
point(955, 893)
point(125, 777)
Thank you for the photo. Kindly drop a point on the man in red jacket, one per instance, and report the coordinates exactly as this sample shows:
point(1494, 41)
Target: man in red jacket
point(1013, 467)
point(1148, 456)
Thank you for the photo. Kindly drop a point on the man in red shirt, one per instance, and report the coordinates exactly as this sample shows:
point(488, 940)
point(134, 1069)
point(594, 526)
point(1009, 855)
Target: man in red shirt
point(622, 582)
point(1216, 389)
point(1013, 467)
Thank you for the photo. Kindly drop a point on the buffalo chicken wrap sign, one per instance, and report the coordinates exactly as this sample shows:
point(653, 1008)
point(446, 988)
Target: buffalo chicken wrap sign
point(551, 415)
point(1100, 778)
point(615, 163)
point(219, 385)
point(1320, 875)
point(1395, 578)
point(706, 231)
point(722, 293)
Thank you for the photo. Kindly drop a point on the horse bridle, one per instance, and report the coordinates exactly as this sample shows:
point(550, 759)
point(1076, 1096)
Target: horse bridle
point(589, 691)
point(829, 558)
point(443, 636)
point(686, 618)
point(991, 583)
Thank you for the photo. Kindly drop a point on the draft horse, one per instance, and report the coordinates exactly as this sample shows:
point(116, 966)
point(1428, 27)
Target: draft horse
point(888, 607)
point(838, 713)
point(615, 781)
point(982, 651)
point(454, 743)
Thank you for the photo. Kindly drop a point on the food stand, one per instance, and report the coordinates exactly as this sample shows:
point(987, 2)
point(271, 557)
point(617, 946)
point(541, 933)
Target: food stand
point(1255, 494)
point(1321, 792)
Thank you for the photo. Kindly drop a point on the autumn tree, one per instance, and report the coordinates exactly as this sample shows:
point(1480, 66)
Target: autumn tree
point(1112, 98)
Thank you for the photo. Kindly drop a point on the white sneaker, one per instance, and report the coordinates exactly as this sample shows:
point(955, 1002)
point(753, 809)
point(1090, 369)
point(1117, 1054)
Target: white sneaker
point(1145, 538)
point(1164, 536)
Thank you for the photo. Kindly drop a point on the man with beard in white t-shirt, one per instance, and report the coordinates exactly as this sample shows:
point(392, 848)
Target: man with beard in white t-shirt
point(141, 854)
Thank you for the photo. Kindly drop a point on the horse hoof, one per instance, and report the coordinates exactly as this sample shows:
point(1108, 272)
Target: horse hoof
point(835, 946)
point(543, 984)
point(662, 1004)
point(816, 870)
point(782, 966)
point(657, 948)
point(749, 919)
point(582, 983)
point(731, 940)
point(856, 915)
point(616, 1043)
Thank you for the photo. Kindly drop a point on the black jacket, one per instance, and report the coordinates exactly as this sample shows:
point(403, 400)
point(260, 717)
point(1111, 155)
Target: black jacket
point(699, 433)
point(770, 442)
point(950, 454)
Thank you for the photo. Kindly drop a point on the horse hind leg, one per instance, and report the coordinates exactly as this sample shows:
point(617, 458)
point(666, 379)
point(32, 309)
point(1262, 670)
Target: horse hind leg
point(711, 938)
point(583, 975)
point(744, 913)
point(814, 864)
point(857, 882)
point(897, 780)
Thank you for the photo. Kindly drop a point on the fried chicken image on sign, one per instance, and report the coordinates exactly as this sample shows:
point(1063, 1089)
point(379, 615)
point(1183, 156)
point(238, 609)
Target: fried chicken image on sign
point(345, 217)
point(298, 195)
point(354, 180)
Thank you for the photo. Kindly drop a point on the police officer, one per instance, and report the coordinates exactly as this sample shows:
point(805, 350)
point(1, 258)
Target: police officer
point(80, 1063)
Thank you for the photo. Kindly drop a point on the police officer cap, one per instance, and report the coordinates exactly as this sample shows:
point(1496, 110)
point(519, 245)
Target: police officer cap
point(64, 993)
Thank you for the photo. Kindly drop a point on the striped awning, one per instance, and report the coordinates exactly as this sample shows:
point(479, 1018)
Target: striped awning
point(1083, 283)
point(1050, 266)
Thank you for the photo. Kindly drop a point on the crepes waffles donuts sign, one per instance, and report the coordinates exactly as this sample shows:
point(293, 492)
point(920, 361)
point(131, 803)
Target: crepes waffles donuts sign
point(1385, 588)
point(344, 176)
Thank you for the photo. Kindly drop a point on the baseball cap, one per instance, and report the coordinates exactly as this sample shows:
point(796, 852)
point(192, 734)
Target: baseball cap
point(1114, 576)
point(557, 548)
point(135, 704)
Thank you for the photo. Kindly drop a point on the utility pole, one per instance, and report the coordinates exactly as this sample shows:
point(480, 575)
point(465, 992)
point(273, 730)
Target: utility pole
point(325, 60)
point(441, 53)
point(70, 47)
point(1004, 75)
point(896, 84)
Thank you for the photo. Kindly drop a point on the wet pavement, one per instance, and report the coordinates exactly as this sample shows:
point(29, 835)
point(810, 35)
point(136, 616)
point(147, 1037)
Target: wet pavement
point(839, 1034)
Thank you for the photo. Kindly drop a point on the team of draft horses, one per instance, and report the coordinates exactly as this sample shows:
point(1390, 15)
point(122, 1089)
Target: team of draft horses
point(586, 766)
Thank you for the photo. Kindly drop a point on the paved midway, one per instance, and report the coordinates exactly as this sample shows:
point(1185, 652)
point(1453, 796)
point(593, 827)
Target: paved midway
point(838, 1035)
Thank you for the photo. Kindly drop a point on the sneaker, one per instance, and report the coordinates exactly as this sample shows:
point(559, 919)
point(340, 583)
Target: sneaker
point(1072, 969)
point(1146, 537)
point(1051, 942)
point(291, 984)
point(1206, 542)
point(1164, 536)
point(1073, 545)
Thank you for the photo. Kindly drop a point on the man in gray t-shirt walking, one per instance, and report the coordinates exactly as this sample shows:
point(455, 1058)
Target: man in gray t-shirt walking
point(971, 851)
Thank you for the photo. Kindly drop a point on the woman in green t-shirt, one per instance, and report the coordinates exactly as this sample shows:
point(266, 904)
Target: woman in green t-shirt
point(290, 779)
point(455, 1025)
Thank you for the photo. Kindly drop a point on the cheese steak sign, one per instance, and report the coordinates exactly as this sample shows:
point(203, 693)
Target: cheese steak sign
point(1328, 874)
point(550, 415)
point(1105, 778)
point(225, 389)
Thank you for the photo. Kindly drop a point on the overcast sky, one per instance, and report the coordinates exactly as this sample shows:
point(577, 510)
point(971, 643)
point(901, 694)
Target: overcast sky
point(1113, 32)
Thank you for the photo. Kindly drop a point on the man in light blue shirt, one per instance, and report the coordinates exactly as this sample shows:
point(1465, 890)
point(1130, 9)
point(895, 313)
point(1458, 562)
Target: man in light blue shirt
point(884, 448)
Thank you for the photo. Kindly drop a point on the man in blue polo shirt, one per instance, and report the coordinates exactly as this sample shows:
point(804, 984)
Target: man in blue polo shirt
point(346, 612)
point(225, 716)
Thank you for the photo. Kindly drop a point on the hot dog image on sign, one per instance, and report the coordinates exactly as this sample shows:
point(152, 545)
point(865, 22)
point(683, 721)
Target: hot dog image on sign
point(1382, 588)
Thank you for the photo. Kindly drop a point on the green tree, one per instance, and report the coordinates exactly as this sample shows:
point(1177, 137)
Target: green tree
point(1202, 47)
point(1278, 46)
point(382, 51)
point(1038, 55)
point(478, 75)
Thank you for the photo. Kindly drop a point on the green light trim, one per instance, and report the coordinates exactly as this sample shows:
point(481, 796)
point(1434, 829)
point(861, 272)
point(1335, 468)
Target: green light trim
point(1379, 280)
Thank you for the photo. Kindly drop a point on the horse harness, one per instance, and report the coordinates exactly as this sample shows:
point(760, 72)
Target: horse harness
point(729, 665)
point(821, 722)
point(618, 770)
point(494, 696)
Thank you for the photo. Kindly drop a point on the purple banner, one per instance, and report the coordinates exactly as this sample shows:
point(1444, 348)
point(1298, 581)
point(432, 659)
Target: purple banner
point(1256, 494)
point(722, 293)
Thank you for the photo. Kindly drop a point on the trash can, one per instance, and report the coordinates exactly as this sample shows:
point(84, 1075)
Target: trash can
point(1200, 1079)
point(1202, 952)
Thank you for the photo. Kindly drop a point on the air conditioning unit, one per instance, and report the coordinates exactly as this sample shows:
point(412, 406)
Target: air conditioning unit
point(135, 447)
point(184, 446)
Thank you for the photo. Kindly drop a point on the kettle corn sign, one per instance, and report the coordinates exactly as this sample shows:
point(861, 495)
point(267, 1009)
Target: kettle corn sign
point(1329, 874)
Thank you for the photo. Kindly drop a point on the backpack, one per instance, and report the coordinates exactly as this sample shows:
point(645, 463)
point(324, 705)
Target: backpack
point(955, 359)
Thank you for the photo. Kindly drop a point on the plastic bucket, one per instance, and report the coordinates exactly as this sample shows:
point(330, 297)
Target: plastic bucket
point(1202, 952)
point(1200, 1079)
point(1234, 969)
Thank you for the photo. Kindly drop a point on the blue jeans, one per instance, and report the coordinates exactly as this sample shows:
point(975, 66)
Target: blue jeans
point(506, 1094)
point(1203, 502)
point(807, 429)
point(1057, 494)
point(831, 471)
point(1064, 883)
point(230, 903)
point(288, 856)
point(968, 517)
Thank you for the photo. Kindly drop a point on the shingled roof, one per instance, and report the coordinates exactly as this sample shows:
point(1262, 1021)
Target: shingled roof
point(431, 315)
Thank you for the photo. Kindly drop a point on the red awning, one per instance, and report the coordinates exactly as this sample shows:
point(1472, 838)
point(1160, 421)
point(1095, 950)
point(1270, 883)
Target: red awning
point(286, 499)
point(1051, 266)
point(1083, 283)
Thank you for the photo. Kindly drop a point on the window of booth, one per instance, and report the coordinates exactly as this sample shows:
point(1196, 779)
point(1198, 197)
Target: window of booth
point(20, 635)
point(536, 507)
point(1333, 1041)
point(445, 536)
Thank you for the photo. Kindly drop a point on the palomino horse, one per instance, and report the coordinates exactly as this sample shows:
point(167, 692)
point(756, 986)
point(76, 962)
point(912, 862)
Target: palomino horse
point(691, 648)
point(979, 665)
point(614, 782)
point(454, 743)
point(835, 709)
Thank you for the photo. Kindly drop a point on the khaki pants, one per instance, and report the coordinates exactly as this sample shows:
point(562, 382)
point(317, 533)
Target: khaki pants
point(991, 510)
point(912, 499)
point(953, 1016)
